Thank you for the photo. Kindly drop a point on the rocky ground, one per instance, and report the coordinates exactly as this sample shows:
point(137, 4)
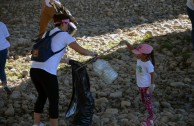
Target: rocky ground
point(162, 23)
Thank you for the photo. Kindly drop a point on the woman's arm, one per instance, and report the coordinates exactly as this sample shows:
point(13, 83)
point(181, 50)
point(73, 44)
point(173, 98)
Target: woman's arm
point(75, 46)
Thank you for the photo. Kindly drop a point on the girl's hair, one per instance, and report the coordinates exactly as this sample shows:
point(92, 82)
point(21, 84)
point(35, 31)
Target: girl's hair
point(59, 18)
point(151, 57)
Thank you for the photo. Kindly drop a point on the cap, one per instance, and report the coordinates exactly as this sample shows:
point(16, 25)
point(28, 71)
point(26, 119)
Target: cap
point(143, 49)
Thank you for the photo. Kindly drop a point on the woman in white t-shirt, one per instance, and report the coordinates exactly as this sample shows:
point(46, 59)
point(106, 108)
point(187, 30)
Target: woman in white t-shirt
point(144, 76)
point(43, 74)
point(190, 12)
point(4, 45)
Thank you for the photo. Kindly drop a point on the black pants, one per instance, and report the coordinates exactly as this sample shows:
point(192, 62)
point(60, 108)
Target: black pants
point(46, 85)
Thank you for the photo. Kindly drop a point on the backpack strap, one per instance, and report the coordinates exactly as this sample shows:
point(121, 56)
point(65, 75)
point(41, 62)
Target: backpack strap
point(59, 50)
point(47, 34)
point(54, 33)
point(53, 36)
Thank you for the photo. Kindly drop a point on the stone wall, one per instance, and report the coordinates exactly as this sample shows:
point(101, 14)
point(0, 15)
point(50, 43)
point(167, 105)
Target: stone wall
point(109, 14)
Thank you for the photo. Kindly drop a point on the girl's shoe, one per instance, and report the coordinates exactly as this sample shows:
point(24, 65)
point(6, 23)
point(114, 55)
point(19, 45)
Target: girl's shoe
point(41, 124)
point(148, 123)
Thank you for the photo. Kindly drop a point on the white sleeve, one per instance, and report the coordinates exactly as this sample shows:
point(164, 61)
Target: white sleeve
point(5, 30)
point(69, 39)
point(150, 67)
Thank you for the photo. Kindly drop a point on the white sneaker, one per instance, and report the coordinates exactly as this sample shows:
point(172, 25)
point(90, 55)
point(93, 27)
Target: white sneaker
point(148, 123)
point(41, 124)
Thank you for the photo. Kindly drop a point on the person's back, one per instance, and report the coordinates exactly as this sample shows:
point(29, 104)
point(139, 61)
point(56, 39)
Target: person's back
point(59, 41)
point(3, 35)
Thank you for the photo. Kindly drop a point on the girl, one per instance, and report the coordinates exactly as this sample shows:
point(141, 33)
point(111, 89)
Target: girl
point(144, 76)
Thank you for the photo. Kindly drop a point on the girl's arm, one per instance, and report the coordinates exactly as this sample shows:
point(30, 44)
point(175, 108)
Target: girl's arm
point(152, 86)
point(152, 77)
point(129, 46)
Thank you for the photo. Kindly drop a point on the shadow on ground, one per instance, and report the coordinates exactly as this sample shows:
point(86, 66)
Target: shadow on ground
point(175, 43)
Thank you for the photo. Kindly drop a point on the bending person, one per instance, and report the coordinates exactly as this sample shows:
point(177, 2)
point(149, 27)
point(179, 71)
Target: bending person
point(43, 74)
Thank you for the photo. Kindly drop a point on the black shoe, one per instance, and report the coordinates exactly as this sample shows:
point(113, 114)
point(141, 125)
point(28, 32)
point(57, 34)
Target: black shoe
point(6, 89)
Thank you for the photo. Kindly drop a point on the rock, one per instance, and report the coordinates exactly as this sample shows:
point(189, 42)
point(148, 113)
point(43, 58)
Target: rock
point(116, 94)
point(10, 111)
point(125, 104)
point(15, 95)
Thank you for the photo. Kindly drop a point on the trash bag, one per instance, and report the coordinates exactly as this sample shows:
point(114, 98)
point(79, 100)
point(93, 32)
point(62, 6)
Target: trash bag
point(82, 102)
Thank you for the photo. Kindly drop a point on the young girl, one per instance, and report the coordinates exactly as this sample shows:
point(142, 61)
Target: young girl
point(144, 76)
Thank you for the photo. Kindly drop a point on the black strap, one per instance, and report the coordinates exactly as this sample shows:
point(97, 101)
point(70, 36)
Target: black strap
point(59, 50)
point(54, 33)
point(47, 34)
point(53, 36)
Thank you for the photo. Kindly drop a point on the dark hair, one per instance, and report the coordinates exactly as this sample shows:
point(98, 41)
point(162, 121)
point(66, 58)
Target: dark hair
point(59, 18)
point(151, 56)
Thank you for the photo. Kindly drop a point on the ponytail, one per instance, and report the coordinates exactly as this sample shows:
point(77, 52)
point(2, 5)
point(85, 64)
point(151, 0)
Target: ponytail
point(152, 57)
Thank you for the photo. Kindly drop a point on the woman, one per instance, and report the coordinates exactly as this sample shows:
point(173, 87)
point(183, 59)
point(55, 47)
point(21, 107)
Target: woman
point(43, 74)
point(4, 45)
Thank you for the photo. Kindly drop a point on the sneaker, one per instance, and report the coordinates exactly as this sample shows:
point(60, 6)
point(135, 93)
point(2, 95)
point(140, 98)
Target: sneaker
point(148, 123)
point(6, 89)
point(41, 124)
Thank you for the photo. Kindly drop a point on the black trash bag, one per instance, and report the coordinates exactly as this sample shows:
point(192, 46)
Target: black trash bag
point(82, 102)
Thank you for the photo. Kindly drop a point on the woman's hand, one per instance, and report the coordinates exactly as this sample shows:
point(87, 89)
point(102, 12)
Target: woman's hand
point(66, 60)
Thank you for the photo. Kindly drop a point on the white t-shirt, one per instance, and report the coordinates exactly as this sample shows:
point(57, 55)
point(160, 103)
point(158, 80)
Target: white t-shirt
point(143, 70)
point(4, 33)
point(59, 41)
point(190, 4)
point(48, 4)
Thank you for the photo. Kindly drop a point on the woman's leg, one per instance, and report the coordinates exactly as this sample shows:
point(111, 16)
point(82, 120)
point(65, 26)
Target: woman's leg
point(47, 87)
point(54, 122)
point(3, 56)
point(52, 91)
point(36, 77)
point(3, 77)
point(50, 87)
